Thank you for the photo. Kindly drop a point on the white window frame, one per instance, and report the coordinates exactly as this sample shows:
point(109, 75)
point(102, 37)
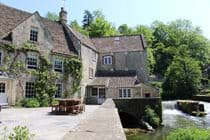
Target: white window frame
point(91, 73)
point(125, 93)
point(61, 89)
point(107, 60)
point(32, 56)
point(32, 36)
point(58, 59)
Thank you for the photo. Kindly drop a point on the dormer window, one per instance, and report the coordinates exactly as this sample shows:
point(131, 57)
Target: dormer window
point(107, 60)
point(34, 34)
point(58, 65)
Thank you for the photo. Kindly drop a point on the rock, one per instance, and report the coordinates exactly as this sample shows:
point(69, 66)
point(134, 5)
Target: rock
point(146, 125)
point(191, 107)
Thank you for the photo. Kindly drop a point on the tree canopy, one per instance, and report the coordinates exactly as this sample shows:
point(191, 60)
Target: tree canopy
point(52, 16)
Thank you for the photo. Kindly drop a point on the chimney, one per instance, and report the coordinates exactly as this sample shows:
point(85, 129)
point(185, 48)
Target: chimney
point(63, 16)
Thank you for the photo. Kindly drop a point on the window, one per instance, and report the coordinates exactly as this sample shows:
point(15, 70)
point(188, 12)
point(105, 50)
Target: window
point(1, 57)
point(107, 60)
point(31, 61)
point(58, 65)
point(30, 90)
point(94, 92)
point(34, 34)
point(90, 73)
point(94, 56)
point(147, 95)
point(2, 87)
point(125, 93)
point(59, 91)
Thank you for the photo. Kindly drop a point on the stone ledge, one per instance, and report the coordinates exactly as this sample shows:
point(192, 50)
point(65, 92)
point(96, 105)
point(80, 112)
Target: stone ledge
point(103, 124)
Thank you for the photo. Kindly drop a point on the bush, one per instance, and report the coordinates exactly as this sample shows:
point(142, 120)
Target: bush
point(30, 103)
point(151, 117)
point(19, 133)
point(204, 81)
point(189, 134)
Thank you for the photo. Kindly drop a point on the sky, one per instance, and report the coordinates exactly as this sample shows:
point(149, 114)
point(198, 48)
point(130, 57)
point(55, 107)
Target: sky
point(131, 12)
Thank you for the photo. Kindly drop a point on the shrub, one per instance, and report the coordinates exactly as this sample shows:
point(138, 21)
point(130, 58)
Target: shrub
point(151, 117)
point(19, 133)
point(189, 134)
point(30, 103)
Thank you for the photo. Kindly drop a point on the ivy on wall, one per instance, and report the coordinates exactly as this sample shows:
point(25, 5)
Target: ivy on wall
point(73, 68)
point(45, 75)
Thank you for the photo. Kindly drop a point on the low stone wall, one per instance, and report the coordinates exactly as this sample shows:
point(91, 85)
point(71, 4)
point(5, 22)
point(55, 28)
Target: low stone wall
point(201, 98)
point(103, 124)
point(136, 106)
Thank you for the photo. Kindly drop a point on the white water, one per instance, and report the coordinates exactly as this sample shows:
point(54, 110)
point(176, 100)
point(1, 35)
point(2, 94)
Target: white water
point(174, 118)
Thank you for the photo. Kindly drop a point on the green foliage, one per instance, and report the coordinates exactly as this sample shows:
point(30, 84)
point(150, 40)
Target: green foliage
point(151, 60)
point(87, 19)
point(125, 30)
point(151, 117)
point(101, 27)
point(45, 82)
point(76, 26)
point(52, 16)
point(73, 67)
point(189, 134)
point(182, 79)
point(19, 133)
point(30, 103)
point(29, 47)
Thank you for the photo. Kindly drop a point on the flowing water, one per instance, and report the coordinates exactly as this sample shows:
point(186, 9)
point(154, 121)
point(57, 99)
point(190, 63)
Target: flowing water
point(173, 118)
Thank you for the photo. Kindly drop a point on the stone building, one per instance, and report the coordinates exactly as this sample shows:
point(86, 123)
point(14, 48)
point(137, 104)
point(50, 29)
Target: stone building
point(113, 67)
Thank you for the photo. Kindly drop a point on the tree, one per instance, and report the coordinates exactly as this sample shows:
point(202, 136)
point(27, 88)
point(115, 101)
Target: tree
point(182, 79)
point(87, 19)
point(52, 16)
point(125, 30)
point(74, 24)
point(101, 27)
point(151, 60)
point(146, 31)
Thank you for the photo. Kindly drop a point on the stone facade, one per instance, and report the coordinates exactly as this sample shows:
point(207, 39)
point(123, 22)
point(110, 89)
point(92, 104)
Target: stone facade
point(56, 40)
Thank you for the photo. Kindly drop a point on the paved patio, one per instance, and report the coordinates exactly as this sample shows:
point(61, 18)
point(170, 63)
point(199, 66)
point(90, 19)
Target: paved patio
point(40, 123)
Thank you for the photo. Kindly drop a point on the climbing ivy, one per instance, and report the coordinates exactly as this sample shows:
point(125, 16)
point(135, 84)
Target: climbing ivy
point(45, 82)
point(73, 67)
point(45, 76)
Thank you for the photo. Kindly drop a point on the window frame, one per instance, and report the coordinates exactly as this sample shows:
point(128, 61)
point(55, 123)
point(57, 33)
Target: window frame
point(34, 34)
point(94, 56)
point(61, 94)
point(30, 95)
point(96, 92)
point(125, 93)
point(1, 57)
point(2, 87)
point(30, 66)
point(58, 69)
point(107, 60)
point(91, 73)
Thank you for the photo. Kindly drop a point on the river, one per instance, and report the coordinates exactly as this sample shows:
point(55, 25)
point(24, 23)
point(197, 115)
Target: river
point(173, 119)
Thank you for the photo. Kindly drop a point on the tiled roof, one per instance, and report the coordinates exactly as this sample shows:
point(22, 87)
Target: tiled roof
point(84, 39)
point(11, 18)
point(115, 82)
point(119, 43)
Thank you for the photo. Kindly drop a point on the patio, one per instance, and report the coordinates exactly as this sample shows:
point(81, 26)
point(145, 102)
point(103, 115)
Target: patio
point(40, 123)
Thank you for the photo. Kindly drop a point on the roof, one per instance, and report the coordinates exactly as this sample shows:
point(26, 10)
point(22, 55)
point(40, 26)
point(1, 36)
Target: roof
point(115, 82)
point(84, 39)
point(10, 18)
point(119, 43)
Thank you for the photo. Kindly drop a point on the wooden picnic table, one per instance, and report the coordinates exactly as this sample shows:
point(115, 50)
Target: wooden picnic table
point(68, 106)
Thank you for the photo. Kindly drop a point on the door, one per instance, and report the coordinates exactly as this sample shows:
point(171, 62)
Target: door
point(101, 95)
point(3, 96)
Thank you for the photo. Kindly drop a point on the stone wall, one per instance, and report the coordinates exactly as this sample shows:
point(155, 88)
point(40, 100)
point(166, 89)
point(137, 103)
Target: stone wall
point(126, 61)
point(136, 107)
